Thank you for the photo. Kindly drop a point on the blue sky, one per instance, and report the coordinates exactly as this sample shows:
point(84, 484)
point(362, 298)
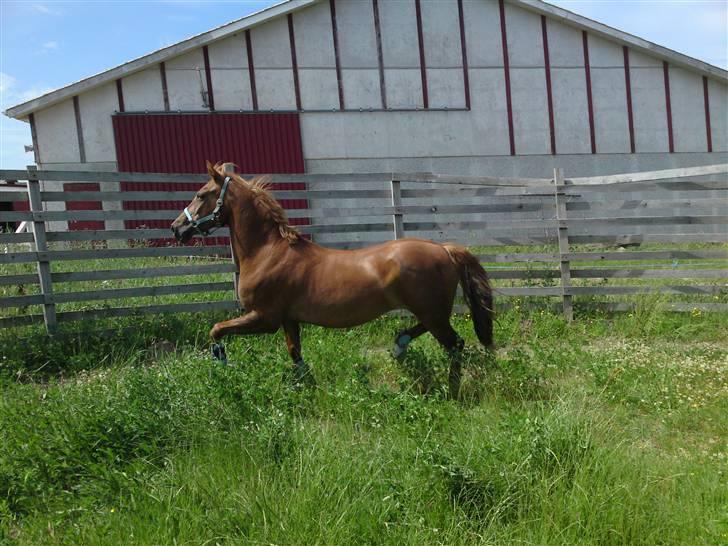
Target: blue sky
point(47, 44)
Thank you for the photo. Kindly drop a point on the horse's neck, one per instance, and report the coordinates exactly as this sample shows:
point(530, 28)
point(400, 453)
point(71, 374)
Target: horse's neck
point(249, 237)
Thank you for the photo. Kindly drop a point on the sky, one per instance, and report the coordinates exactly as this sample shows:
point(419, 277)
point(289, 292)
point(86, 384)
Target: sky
point(47, 44)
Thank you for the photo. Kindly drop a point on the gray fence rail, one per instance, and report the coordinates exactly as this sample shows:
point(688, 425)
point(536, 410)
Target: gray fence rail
point(354, 210)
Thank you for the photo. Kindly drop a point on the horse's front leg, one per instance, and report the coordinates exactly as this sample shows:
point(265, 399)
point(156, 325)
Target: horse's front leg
point(250, 323)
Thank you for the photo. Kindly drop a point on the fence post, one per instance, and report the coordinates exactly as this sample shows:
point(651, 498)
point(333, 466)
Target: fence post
point(41, 249)
point(397, 221)
point(563, 235)
point(230, 168)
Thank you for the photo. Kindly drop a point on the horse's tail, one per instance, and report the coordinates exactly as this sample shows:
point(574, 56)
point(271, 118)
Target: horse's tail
point(477, 291)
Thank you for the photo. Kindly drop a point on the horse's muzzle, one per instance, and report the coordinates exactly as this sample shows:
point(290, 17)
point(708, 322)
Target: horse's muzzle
point(183, 233)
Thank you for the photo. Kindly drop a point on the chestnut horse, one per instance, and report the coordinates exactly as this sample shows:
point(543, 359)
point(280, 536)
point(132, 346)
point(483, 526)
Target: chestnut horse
point(286, 280)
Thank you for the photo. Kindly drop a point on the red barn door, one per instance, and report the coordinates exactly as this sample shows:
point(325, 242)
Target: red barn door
point(181, 143)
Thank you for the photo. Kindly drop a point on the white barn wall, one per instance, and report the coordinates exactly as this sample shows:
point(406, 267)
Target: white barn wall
point(273, 66)
point(482, 30)
point(98, 132)
point(358, 54)
point(571, 110)
point(609, 95)
point(400, 55)
point(57, 137)
point(688, 111)
point(472, 142)
point(186, 80)
point(568, 82)
point(528, 82)
point(443, 53)
point(229, 74)
point(143, 91)
point(315, 56)
point(648, 103)
point(488, 129)
point(489, 112)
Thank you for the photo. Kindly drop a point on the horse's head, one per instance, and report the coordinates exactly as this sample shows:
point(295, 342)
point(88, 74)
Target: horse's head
point(206, 211)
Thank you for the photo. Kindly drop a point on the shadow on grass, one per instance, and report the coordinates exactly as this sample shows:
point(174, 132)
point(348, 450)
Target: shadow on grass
point(31, 355)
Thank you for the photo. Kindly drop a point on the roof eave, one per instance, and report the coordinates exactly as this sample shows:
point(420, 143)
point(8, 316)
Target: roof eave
point(625, 38)
point(21, 111)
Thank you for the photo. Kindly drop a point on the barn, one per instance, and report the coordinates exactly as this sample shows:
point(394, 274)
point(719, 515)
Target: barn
point(497, 87)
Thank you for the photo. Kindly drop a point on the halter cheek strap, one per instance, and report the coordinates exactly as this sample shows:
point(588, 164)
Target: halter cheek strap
point(207, 224)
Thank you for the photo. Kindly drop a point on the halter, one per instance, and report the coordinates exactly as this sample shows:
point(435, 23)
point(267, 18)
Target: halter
point(213, 219)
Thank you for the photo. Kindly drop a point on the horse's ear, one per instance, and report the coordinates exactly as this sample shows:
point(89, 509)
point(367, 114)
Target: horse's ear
point(213, 172)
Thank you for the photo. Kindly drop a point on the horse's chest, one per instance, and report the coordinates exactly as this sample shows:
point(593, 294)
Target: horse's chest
point(256, 292)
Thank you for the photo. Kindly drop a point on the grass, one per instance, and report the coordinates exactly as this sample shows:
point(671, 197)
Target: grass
point(609, 430)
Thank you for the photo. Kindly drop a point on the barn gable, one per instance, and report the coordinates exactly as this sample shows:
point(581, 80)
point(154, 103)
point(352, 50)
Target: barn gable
point(454, 85)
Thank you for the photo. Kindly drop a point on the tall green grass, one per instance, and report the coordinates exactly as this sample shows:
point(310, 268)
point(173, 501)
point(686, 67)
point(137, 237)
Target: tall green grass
point(610, 430)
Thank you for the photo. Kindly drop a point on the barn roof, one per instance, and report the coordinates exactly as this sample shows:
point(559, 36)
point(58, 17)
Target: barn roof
point(21, 111)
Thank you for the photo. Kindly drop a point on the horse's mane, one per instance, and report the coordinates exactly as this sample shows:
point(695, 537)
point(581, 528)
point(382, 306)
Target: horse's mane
point(268, 207)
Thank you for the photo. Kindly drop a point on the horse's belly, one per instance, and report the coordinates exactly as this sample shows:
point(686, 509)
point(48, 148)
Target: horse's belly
point(345, 307)
point(344, 318)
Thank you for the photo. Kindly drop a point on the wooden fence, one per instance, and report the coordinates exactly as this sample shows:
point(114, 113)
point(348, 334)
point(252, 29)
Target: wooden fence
point(556, 215)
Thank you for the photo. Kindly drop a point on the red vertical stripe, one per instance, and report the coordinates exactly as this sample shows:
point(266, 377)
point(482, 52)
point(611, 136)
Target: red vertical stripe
point(251, 69)
point(120, 95)
point(208, 79)
point(706, 102)
point(507, 71)
point(549, 96)
point(294, 61)
point(335, 33)
point(628, 87)
point(423, 66)
point(165, 93)
point(34, 137)
point(464, 49)
point(74, 225)
point(79, 130)
point(590, 103)
point(380, 56)
point(668, 107)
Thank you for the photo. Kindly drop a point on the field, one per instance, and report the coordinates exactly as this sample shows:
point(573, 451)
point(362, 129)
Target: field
point(609, 430)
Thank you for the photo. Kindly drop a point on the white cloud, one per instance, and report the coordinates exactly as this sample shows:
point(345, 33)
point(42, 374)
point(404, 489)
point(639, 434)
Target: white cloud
point(47, 47)
point(41, 8)
point(7, 82)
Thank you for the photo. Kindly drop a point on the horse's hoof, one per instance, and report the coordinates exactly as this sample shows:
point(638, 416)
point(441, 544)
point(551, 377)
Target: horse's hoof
point(302, 374)
point(400, 346)
point(218, 353)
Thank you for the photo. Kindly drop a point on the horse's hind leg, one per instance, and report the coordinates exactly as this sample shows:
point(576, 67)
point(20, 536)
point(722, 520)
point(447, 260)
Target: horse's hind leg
point(405, 337)
point(301, 370)
point(453, 344)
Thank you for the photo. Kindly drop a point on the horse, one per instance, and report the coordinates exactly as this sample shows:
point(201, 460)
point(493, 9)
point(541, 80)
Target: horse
point(287, 280)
